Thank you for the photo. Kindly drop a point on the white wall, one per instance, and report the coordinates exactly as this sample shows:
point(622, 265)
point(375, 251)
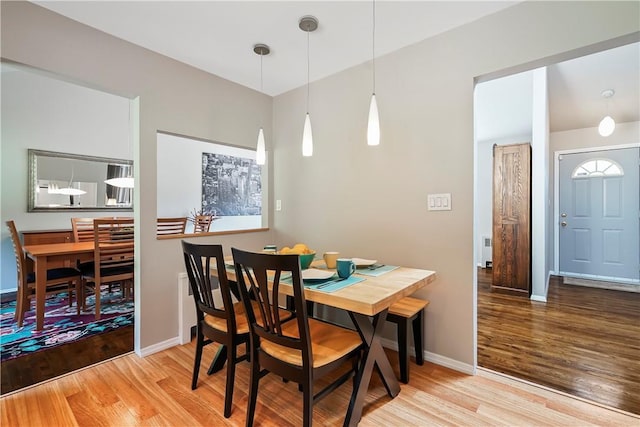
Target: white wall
point(174, 98)
point(540, 203)
point(363, 201)
point(46, 113)
point(180, 168)
point(425, 96)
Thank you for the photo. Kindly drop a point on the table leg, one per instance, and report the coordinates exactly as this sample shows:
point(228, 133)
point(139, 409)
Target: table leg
point(374, 356)
point(41, 290)
point(219, 360)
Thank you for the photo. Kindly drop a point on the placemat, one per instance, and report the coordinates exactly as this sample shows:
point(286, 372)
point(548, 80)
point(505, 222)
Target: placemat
point(335, 286)
point(376, 272)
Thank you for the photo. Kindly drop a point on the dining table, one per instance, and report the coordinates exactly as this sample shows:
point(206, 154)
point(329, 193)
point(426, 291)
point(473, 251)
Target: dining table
point(367, 303)
point(51, 253)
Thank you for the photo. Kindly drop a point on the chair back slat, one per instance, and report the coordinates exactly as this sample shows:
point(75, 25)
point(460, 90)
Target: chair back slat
point(82, 229)
point(259, 277)
point(21, 262)
point(114, 243)
point(168, 226)
point(198, 261)
point(202, 223)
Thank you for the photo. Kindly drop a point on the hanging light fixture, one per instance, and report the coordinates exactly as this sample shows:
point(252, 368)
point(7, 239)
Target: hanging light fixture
point(607, 125)
point(69, 190)
point(261, 154)
point(124, 177)
point(122, 181)
point(373, 126)
point(307, 24)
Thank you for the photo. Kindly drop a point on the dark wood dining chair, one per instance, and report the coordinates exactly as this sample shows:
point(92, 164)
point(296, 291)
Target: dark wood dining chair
point(202, 223)
point(64, 279)
point(169, 226)
point(301, 349)
point(113, 258)
point(223, 322)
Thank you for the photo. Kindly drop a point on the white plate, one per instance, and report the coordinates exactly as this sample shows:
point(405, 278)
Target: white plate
point(359, 262)
point(315, 274)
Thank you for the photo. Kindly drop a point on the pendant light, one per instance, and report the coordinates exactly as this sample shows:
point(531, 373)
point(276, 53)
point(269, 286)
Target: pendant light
point(307, 24)
point(124, 175)
point(261, 154)
point(373, 126)
point(607, 125)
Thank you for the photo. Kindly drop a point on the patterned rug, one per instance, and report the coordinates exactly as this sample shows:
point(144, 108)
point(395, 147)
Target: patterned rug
point(61, 323)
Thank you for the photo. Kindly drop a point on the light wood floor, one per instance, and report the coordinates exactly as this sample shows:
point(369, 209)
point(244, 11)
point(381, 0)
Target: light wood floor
point(583, 341)
point(155, 390)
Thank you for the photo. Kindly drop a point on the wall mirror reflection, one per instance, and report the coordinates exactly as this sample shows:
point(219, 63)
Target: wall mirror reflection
point(62, 181)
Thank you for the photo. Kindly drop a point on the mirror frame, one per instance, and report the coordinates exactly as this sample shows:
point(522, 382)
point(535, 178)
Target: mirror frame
point(33, 179)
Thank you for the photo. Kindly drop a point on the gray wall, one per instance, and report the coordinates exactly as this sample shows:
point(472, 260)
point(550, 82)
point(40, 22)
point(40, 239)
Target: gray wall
point(368, 201)
point(372, 200)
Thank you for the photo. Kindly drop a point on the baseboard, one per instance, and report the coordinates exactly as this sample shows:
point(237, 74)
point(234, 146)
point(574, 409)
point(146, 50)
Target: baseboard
point(539, 298)
point(147, 351)
point(601, 284)
point(438, 359)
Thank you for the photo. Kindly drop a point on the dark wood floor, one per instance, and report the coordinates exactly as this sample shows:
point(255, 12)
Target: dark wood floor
point(583, 341)
point(37, 367)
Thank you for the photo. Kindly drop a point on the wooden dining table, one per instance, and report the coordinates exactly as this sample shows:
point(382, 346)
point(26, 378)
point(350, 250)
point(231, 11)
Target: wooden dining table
point(52, 253)
point(367, 303)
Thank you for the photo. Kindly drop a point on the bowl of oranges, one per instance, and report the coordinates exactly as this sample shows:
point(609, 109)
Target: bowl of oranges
point(306, 254)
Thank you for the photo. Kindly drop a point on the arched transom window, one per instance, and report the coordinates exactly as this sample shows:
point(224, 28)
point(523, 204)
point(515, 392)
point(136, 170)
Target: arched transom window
point(597, 167)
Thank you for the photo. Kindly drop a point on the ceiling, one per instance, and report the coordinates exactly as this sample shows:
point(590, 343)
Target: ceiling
point(218, 37)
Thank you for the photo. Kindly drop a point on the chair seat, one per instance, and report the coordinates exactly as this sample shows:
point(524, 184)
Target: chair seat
point(56, 274)
point(407, 307)
point(109, 271)
point(242, 323)
point(86, 267)
point(328, 343)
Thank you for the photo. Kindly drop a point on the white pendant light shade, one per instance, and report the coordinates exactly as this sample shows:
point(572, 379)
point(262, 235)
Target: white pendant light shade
point(373, 128)
point(261, 154)
point(70, 191)
point(122, 182)
point(307, 138)
point(607, 126)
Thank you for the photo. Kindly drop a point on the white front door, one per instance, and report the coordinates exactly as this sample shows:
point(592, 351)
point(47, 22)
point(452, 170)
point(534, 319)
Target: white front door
point(599, 234)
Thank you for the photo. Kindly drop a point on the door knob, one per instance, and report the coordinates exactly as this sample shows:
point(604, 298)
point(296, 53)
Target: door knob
point(563, 215)
point(563, 223)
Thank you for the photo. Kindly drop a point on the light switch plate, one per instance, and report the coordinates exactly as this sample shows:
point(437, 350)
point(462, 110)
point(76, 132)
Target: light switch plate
point(278, 205)
point(439, 202)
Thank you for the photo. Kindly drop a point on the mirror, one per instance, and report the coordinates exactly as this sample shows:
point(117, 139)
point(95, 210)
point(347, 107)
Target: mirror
point(61, 181)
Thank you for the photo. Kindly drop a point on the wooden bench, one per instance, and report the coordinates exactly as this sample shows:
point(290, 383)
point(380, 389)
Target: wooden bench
point(404, 312)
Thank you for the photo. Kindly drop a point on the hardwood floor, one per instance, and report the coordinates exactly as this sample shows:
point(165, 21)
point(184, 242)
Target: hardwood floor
point(583, 341)
point(156, 390)
point(37, 367)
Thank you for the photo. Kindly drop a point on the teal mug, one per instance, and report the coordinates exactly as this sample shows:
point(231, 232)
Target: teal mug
point(345, 267)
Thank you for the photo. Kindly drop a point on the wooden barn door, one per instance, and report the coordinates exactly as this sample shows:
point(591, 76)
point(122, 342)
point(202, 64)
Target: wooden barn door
point(512, 218)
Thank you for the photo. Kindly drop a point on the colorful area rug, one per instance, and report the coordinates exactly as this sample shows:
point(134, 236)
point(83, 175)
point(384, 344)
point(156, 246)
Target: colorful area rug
point(61, 323)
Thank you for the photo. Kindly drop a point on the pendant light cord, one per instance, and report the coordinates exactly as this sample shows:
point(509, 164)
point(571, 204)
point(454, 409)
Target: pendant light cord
point(261, 55)
point(308, 74)
point(373, 55)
